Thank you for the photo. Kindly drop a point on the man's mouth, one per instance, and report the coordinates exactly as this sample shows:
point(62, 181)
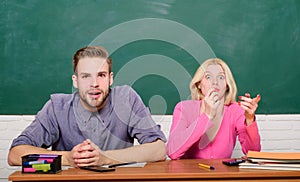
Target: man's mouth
point(95, 94)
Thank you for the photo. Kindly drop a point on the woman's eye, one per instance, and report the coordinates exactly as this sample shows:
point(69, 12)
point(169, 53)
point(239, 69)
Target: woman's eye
point(208, 77)
point(221, 77)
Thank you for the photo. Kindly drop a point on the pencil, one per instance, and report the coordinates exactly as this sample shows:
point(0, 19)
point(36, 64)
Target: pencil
point(206, 166)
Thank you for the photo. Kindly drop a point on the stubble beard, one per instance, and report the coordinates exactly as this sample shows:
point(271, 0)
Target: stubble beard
point(94, 104)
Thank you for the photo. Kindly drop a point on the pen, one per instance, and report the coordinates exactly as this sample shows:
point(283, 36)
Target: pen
point(34, 162)
point(49, 160)
point(29, 170)
point(43, 155)
point(122, 164)
point(41, 167)
point(206, 166)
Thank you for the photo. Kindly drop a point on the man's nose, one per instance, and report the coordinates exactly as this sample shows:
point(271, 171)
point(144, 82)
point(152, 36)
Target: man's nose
point(94, 82)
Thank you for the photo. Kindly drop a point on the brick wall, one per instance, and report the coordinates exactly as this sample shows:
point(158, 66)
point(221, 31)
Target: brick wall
point(278, 133)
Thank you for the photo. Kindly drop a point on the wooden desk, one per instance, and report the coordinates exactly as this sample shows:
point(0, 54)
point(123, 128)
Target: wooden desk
point(175, 170)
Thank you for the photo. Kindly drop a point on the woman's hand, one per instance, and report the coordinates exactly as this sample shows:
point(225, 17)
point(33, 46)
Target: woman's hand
point(249, 105)
point(211, 103)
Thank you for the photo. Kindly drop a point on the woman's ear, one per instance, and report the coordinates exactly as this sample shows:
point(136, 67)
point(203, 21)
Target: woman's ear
point(198, 85)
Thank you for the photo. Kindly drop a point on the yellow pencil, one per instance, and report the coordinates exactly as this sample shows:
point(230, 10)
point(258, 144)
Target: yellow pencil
point(206, 166)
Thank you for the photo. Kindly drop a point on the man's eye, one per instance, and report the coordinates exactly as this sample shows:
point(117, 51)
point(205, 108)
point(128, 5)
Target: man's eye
point(102, 75)
point(84, 76)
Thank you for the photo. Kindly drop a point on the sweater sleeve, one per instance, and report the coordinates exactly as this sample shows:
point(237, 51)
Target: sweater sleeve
point(253, 137)
point(187, 128)
point(248, 135)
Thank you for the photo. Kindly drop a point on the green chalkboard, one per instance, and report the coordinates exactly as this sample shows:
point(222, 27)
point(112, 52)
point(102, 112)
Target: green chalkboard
point(156, 47)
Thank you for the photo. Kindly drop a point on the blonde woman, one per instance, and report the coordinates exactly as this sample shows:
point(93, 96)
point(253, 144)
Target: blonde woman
point(207, 126)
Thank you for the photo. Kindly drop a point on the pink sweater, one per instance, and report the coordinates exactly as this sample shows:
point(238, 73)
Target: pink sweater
point(189, 126)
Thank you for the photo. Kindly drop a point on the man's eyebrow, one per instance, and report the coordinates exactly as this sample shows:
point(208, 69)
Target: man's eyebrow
point(84, 73)
point(103, 72)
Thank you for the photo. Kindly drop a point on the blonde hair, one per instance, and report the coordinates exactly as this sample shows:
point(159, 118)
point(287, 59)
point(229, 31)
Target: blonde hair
point(196, 93)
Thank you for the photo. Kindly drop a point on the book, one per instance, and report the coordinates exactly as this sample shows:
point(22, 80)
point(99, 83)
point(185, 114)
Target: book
point(274, 155)
point(270, 166)
point(272, 160)
point(287, 161)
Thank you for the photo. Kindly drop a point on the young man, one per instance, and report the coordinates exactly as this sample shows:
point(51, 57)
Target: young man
point(95, 125)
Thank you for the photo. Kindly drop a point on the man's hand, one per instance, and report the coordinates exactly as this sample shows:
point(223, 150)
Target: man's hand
point(87, 154)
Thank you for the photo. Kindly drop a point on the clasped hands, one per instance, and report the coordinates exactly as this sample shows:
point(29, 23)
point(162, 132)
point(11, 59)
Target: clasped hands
point(86, 154)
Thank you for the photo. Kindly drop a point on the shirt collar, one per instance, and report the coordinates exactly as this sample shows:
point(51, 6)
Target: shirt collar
point(84, 114)
point(80, 111)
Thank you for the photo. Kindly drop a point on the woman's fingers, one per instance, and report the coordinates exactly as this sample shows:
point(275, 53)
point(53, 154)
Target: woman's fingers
point(249, 105)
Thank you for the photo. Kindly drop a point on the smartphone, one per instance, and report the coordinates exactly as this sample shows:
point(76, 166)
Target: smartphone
point(98, 168)
point(233, 162)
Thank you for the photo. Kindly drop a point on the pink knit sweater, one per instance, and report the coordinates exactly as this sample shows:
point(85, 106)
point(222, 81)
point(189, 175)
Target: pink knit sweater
point(189, 126)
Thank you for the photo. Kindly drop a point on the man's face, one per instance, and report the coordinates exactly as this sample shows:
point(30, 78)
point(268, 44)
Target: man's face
point(93, 80)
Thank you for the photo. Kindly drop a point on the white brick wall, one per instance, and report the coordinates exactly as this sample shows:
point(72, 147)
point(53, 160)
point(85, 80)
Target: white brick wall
point(280, 133)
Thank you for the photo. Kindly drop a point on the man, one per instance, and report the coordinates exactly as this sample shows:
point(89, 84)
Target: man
point(95, 125)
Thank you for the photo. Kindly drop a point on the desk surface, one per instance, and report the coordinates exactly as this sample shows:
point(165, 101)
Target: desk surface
point(174, 170)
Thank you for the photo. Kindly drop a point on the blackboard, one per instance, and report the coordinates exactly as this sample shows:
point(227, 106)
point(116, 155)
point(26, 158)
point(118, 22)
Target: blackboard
point(156, 47)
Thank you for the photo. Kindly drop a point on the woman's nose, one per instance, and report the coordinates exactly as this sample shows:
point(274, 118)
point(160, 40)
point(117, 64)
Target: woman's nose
point(214, 81)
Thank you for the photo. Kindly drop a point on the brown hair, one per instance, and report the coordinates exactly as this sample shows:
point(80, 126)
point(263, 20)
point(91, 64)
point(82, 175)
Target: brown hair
point(91, 51)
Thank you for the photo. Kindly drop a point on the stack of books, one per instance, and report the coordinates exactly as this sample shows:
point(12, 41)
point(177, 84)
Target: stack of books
point(272, 160)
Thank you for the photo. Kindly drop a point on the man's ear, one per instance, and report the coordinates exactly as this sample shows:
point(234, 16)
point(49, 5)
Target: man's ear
point(74, 78)
point(111, 78)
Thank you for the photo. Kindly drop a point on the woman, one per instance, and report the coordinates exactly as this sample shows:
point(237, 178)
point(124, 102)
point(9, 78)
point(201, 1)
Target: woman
point(207, 126)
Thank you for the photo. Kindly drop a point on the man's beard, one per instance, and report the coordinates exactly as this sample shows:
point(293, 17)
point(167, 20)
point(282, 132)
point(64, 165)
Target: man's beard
point(92, 103)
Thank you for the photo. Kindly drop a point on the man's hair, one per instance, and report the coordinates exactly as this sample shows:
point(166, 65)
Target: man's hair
point(91, 51)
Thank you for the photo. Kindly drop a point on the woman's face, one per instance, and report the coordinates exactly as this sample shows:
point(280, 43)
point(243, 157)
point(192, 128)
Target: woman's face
point(214, 77)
